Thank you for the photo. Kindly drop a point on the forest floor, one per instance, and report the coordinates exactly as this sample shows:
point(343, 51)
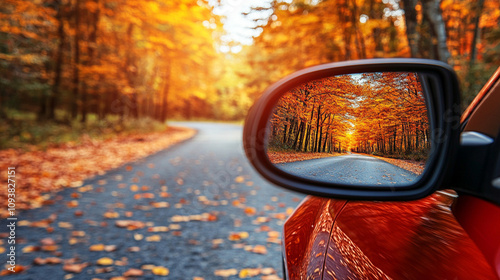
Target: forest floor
point(414, 166)
point(48, 170)
point(286, 157)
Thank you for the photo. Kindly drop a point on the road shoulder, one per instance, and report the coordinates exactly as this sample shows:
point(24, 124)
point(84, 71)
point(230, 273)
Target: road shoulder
point(70, 164)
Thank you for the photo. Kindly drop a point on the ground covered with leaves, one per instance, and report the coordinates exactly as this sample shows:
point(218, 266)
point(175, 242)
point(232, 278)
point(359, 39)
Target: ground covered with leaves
point(414, 166)
point(43, 171)
point(285, 157)
point(195, 211)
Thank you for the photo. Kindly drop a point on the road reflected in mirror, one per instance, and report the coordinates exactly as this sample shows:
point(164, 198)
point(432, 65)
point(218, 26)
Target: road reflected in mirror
point(359, 129)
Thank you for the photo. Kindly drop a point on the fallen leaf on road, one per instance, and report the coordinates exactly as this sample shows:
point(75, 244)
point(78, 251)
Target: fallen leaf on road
point(260, 220)
point(111, 215)
point(175, 227)
point(100, 270)
point(72, 204)
point(161, 204)
point(234, 236)
point(225, 272)
point(96, 247)
point(64, 225)
point(74, 268)
point(250, 211)
point(267, 270)
point(105, 261)
point(50, 248)
point(138, 236)
point(30, 248)
point(259, 249)
point(110, 248)
point(249, 272)
point(133, 272)
point(158, 229)
point(153, 238)
point(49, 260)
point(134, 249)
point(160, 270)
point(129, 224)
point(17, 269)
point(239, 179)
point(47, 241)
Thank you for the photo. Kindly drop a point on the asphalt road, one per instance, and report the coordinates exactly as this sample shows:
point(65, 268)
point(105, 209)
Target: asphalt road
point(350, 169)
point(194, 200)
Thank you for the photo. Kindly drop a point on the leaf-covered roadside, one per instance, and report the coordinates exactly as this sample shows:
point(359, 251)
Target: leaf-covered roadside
point(414, 166)
point(285, 157)
point(41, 172)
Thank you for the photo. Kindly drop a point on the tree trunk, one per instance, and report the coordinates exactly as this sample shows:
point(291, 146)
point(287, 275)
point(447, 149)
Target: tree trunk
point(285, 133)
point(473, 49)
point(308, 131)
point(433, 11)
point(298, 140)
point(411, 26)
point(42, 113)
point(315, 146)
point(90, 61)
point(59, 61)
point(76, 71)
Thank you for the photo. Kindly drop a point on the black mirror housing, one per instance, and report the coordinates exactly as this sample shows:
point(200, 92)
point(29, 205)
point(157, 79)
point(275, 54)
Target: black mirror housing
point(443, 109)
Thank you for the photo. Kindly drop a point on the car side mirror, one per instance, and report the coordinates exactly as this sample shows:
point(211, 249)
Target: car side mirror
point(383, 129)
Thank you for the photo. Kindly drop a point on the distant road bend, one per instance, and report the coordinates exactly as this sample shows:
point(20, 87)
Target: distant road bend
point(350, 169)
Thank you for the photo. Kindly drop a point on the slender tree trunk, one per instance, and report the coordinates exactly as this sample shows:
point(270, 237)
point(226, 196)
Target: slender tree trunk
point(411, 26)
point(76, 71)
point(42, 112)
point(298, 140)
point(91, 58)
point(59, 61)
point(433, 11)
point(308, 131)
point(315, 146)
point(285, 132)
point(473, 49)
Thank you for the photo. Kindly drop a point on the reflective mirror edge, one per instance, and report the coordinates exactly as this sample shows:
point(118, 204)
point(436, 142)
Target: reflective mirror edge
point(444, 109)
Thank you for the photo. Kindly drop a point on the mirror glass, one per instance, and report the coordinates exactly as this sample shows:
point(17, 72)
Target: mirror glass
point(358, 129)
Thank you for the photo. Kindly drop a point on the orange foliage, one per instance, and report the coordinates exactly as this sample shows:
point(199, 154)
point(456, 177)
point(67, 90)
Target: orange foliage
point(381, 113)
point(41, 172)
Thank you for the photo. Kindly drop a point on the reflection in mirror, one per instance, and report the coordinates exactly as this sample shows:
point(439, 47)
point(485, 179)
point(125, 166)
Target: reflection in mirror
point(358, 129)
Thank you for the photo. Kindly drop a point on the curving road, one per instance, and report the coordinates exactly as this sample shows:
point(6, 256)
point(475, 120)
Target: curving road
point(198, 208)
point(350, 169)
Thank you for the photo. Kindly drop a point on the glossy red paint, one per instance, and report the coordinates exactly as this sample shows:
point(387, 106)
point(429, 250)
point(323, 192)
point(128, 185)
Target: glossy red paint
point(481, 220)
point(382, 240)
point(306, 234)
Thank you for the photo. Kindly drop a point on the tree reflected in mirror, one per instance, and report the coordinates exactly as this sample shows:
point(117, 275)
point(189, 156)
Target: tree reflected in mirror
point(361, 129)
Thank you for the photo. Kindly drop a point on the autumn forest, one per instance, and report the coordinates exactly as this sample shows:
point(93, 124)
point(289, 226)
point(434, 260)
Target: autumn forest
point(109, 182)
point(375, 113)
point(77, 63)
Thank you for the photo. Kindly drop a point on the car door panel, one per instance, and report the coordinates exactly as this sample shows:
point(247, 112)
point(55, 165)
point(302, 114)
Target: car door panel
point(305, 237)
point(408, 240)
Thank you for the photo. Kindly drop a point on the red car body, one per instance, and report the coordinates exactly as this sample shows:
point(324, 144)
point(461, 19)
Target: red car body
point(443, 236)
